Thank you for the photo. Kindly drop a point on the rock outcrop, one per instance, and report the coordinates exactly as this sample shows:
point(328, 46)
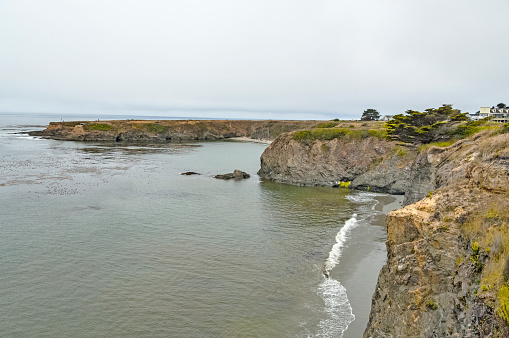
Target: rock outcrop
point(443, 276)
point(236, 175)
point(369, 163)
point(447, 271)
point(169, 130)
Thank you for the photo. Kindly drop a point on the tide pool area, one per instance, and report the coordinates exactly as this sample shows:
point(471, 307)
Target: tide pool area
point(108, 239)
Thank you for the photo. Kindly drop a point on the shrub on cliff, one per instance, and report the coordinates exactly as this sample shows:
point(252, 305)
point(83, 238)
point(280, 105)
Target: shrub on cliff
point(423, 127)
point(326, 134)
point(327, 125)
point(433, 125)
point(98, 126)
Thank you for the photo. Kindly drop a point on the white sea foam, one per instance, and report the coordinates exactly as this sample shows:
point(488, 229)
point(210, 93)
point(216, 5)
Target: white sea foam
point(361, 197)
point(341, 237)
point(337, 307)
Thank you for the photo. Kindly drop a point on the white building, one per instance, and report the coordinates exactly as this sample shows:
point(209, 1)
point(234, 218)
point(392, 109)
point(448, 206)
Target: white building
point(497, 114)
point(386, 117)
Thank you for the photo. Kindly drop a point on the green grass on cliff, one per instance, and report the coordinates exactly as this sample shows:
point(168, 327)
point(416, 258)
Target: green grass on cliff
point(68, 124)
point(152, 128)
point(98, 126)
point(331, 124)
point(326, 134)
point(155, 128)
point(487, 228)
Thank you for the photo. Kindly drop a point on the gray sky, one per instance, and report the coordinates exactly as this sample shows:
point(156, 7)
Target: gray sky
point(252, 59)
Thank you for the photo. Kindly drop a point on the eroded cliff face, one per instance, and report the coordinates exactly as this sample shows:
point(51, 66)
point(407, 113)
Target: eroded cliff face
point(447, 251)
point(169, 130)
point(447, 248)
point(369, 163)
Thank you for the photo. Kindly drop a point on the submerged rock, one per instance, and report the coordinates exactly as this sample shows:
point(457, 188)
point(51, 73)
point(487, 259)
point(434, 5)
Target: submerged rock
point(236, 174)
point(190, 173)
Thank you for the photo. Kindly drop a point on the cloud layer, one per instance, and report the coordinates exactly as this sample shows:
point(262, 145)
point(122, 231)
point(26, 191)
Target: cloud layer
point(252, 58)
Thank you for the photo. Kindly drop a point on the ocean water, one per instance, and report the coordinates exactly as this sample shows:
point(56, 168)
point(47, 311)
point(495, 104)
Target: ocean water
point(108, 239)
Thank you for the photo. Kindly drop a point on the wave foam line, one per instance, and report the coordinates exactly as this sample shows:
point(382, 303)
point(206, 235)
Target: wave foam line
point(341, 237)
point(337, 307)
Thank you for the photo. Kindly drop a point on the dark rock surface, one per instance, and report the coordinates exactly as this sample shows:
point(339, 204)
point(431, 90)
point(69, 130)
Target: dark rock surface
point(236, 175)
point(370, 164)
point(169, 130)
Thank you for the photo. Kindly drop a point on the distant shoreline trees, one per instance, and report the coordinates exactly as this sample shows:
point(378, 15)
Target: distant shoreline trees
point(370, 115)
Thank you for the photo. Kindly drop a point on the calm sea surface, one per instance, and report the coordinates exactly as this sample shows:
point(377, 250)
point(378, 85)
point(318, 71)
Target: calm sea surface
point(103, 240)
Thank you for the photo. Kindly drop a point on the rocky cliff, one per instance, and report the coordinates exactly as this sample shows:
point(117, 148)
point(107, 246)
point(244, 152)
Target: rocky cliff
point(169, 130)
point(447, 271)
point(367, 163)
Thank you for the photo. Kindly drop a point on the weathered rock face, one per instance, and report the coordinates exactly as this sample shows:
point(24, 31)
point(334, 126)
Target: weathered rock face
point(438, 167)
point(428, 286)
point(370, 164)
point(433, 284)
point(236, 175)
point(169, 130)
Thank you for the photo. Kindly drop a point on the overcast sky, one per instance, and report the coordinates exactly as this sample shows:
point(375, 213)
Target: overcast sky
point(252, 58)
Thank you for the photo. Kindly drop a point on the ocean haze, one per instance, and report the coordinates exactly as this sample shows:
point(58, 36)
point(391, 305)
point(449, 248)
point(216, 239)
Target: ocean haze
point(251, 59)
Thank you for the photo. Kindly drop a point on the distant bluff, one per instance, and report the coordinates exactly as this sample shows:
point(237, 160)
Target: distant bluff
point(170, 130)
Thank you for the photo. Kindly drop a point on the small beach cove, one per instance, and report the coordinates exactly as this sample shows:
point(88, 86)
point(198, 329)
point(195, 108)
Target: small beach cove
point(117, 241)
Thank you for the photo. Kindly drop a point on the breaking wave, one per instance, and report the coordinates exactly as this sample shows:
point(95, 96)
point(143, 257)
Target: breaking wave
point(341, 237)
point(337, 308)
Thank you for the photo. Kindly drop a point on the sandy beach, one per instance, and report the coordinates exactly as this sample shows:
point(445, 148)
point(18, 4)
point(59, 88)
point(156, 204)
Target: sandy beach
point(363, 273)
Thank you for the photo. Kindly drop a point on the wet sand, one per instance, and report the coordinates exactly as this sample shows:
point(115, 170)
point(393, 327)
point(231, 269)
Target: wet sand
point(361, 280)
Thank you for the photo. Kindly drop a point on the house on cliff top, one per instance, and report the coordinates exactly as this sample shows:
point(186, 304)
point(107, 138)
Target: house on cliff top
point(386, 117)
point(497, 114)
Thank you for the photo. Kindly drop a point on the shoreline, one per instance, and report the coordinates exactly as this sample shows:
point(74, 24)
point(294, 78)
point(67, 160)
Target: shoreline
point(360, 282)
point(248, 139)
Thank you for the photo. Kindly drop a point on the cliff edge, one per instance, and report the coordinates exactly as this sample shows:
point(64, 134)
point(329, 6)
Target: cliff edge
point(169, 130)
point(447, 271)
point(355, 159)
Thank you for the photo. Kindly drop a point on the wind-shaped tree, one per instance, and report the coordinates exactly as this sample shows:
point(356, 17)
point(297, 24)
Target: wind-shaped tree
point(370, 115)
point(423, 127)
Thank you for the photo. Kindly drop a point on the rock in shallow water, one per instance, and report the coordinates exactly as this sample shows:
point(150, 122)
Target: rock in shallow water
point(236, 174)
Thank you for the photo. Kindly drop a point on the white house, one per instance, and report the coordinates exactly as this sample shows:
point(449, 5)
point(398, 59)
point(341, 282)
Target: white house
point(497, 114)
point(386, 117)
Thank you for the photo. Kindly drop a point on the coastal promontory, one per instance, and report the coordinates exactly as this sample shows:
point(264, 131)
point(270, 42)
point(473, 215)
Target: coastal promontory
point(170, 130)
point(447, 270)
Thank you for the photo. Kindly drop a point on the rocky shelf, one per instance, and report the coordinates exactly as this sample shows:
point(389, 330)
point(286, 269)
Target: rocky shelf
point(169, 130)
